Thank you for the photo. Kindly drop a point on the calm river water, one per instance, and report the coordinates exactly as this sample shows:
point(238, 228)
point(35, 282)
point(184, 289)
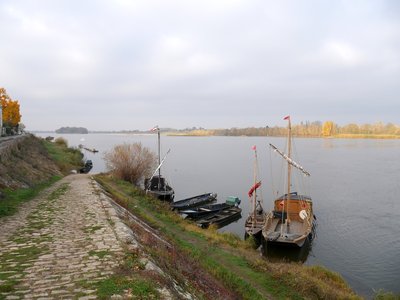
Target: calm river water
point(355, 186)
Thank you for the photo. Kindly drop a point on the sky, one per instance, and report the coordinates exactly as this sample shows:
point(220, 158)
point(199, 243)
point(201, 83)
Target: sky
point(115, 65)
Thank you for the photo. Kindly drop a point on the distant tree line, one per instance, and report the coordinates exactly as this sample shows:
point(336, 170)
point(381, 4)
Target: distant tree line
point(80, 130)
point(307, 129)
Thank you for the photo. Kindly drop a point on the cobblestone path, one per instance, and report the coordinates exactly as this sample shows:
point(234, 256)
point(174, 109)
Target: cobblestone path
point(57, 243)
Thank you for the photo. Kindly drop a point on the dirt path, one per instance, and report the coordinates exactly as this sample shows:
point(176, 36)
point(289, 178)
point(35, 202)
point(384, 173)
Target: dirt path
point(57, 243)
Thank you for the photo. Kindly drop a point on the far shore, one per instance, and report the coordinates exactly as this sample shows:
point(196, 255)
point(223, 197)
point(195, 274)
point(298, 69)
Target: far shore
point(211, 133)
point(337, 136)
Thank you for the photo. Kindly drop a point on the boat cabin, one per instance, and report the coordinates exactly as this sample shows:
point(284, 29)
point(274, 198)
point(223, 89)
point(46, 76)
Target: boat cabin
point(293, 206)
point(155, 184)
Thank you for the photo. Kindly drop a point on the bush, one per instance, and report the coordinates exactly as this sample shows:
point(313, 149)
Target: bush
point(130, 162)
point(61, 142)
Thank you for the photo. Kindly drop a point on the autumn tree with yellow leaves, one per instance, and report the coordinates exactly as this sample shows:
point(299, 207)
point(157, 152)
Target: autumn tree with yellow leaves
point(328, 128)
point(10, 111)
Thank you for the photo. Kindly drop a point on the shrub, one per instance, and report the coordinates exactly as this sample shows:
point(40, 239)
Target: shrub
point(61, 142)
point(130, 162)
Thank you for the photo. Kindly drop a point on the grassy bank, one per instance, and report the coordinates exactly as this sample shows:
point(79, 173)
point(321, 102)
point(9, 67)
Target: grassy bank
point(66, 158)
point(12, 199)
point(198, 258)
point(30, 165)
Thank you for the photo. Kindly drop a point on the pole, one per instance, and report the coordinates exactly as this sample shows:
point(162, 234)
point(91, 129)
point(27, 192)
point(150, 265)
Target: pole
point(289, 169)
point(159, 150)
point(159, 159)
point(255, 191)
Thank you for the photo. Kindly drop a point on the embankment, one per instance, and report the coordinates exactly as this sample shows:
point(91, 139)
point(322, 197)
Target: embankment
point(26, 161)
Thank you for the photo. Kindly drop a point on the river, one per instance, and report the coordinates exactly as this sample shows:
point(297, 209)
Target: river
point(354, 185)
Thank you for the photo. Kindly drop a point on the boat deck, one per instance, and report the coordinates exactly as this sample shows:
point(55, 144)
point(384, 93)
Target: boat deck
point(280, 232)
point(256, 226)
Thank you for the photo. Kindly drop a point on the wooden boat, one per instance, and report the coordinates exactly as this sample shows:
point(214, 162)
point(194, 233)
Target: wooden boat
point(198, 212)
point(157, 185)
point(91, 150)
point(87, 167)
point(291, 222)
point(221, 218)
point(194, 201)
point(256, 219)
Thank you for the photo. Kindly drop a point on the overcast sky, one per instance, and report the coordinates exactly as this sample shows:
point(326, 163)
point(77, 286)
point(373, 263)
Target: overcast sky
point(110, 65)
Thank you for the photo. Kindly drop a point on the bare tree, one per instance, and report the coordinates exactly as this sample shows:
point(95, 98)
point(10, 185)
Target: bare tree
point(130, 162)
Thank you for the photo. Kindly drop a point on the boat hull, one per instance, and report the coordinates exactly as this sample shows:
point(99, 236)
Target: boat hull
point(194, 201)
point(253, 226)
point(198, 212)
point(221, 218)
point(159, 188)
point(165, 195)
point(292, 221)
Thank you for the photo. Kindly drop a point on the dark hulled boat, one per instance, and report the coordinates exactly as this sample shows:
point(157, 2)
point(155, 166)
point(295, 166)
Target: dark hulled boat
point(159, 188)
point(156, 185)
point(194, 201)
point(87, 167)
point(221, 218)
point(198, 212)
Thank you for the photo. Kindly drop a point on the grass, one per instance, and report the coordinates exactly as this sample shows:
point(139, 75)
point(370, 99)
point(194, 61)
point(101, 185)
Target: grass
point(383, 295)
point(100, 254)
point(66, 158)
point(14, 198)
point(14, 263)
point(93, 229)
point(230, 261)
point(136, 288)
point(130, 281)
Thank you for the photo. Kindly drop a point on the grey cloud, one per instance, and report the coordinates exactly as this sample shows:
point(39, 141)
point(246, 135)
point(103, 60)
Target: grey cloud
point(199, 63)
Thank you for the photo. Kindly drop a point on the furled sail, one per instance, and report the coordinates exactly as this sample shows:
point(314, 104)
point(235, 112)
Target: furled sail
point(290, 161)
point(253, 188)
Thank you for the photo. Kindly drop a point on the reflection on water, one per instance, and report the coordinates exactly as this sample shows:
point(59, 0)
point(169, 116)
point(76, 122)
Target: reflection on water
point(275, 253)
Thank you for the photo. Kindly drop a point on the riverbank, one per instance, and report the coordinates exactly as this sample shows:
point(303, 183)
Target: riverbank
point(202, 261)
point(208, 133)
point(232, 262)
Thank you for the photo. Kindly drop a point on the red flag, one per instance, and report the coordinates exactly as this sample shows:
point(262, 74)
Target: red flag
point(287, 118)
point(253, 188)
point(254, 148)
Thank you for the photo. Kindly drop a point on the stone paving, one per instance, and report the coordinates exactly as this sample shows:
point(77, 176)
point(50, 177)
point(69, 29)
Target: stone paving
point(67, 237)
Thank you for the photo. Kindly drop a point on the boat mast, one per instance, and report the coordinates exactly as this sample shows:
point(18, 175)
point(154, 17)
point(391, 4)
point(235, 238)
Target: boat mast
point(289, 167)
point(159, 158)
point(159, 148)
point(255, 191)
